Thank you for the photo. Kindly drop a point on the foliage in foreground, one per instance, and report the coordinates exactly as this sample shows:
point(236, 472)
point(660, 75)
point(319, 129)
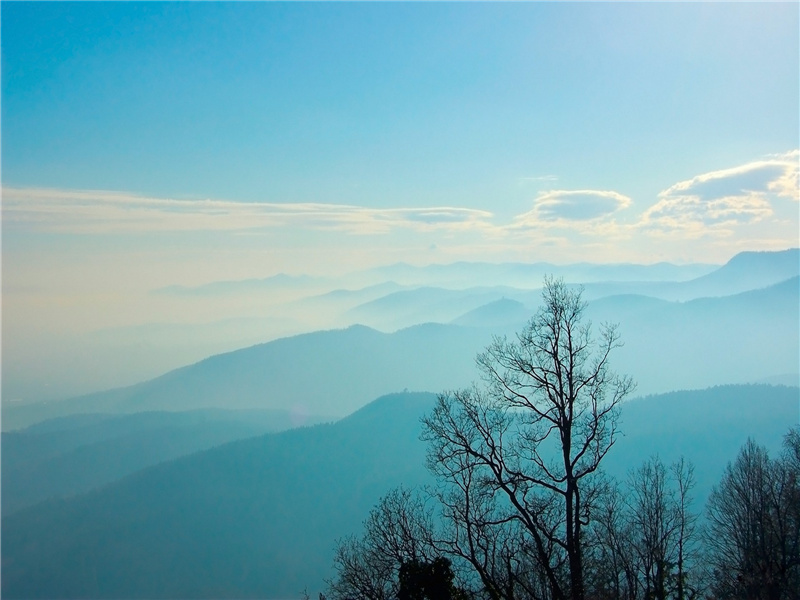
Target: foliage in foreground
point(643, 542)
point(521, 509)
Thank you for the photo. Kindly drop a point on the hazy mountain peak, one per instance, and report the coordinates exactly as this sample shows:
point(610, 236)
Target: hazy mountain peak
point(765, 257)
point(279, 280)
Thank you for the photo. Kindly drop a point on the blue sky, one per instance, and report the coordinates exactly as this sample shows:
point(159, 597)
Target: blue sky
point(392, 104)
point(477, 107)
point(149, 144)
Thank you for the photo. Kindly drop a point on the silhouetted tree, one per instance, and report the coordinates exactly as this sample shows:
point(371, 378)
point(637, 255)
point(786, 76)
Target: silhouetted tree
point(663, 526)
point(398, 531)
point(754, 525)
point(516, 456)
point(643, 536)
point(683, 473)
point(612, 570)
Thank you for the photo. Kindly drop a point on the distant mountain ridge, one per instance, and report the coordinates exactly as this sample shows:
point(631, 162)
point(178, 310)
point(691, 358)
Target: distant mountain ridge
point(70, 455)
point(442, 303)
point(706, 341)
point(220, 317)
point(529, 275)
point(732, 339)
point(745, 271)
point(748, 271)
point(460, 272)
point(329, 372)
point(501, 314)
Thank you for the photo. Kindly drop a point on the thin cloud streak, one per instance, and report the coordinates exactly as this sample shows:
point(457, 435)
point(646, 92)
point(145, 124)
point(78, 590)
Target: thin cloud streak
point(539, 178)
point(586, 214)
point(100, 212)
point(717, 204)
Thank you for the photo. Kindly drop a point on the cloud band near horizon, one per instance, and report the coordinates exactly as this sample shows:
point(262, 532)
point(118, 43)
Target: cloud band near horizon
point(707, 203)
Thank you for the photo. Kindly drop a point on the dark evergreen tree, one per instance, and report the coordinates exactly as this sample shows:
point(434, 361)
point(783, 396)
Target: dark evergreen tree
point(421, 580)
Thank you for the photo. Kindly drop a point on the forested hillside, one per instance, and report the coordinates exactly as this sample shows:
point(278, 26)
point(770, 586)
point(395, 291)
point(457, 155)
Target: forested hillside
point(68, 455)
point(260, 517)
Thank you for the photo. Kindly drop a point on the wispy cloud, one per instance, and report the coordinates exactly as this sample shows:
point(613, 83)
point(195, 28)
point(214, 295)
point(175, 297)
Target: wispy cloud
point(95, 212)
point(718, 204)
point(715, 202)
point(539, 178)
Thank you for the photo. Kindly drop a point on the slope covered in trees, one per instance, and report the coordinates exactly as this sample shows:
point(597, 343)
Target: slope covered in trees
point(66, 456)
point(643, 540)
point(260, 517)
point(521, 507)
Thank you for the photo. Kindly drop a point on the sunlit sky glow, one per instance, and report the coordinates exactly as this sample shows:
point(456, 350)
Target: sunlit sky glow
point(150, 144)
point(521, 130)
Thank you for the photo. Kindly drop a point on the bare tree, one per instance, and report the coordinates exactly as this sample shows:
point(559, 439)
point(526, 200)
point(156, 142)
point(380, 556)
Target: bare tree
point(479, 528)
point(362, 571)
point(664, 526)
point(654, 523)
point(612, 567)
point(683, 474)
point(518, 453)
point(397, 531)
point(643, 536)
point(754, 525)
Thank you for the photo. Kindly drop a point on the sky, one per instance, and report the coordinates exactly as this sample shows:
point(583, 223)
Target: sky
point(154, 144)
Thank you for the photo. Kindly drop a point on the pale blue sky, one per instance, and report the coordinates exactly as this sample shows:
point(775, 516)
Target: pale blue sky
point(145, 144)
point(392, 104)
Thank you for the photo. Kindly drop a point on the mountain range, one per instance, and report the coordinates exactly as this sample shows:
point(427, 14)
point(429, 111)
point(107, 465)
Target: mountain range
point(745, 337)
point(234, 476)
point(192, 323)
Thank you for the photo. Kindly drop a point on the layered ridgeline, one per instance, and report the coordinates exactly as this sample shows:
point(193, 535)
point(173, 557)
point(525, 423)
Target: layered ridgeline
point(260, 517)
point(442, 303)
point(129, 493)
point(749, 336)
point(239, 314)
point(327, 372)
point(68, 455)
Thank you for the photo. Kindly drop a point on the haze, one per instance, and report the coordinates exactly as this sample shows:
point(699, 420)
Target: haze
point(167, 144)
point(245, 217)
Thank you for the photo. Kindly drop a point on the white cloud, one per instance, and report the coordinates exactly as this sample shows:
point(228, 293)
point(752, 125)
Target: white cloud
point(715, 203)
point(563, 207)
point(95, 212)
point(755, 201)
point(787, 185)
